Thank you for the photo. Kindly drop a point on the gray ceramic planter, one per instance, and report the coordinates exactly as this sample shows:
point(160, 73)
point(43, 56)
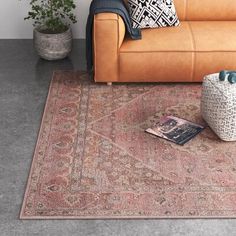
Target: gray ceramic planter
point(53, 46)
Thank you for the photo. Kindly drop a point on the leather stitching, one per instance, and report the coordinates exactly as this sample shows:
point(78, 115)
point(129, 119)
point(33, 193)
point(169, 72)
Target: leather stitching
point(185, 9)
point(177, 51)
point(194, 52)
point(106, 19)
point(118, 43)
point(94, 50)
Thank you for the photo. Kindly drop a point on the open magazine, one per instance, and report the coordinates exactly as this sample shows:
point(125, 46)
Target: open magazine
point(175, 129)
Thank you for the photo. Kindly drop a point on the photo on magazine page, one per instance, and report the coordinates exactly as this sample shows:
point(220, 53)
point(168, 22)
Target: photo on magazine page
point(175, 129)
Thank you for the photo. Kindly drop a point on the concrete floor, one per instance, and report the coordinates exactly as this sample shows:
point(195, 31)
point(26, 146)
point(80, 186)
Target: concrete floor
point(24, 81)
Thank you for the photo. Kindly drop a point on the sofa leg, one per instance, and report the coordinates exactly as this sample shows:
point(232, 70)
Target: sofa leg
point(109, 83)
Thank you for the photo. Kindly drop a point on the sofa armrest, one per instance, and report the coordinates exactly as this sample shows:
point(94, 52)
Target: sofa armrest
point(108, 35)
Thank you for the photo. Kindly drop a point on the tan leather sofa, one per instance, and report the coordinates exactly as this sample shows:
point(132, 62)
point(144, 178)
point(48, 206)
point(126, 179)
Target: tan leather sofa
point(204, 43)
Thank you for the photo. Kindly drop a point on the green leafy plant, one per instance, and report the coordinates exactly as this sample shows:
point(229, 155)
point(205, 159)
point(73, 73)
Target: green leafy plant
point(52, 16)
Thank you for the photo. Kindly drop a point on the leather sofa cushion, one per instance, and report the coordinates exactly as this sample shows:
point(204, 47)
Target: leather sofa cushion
point(172, 54)
point(189, 36)
point(214, 35)
point(161, 39)
point(208, 9)
point(205, 9)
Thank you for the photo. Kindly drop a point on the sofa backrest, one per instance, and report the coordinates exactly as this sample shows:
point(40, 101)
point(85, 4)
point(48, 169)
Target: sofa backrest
point(201, 10)
point(206, 9)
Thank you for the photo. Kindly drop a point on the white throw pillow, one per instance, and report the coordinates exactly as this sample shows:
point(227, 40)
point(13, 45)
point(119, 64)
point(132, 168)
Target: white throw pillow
point(153, 13)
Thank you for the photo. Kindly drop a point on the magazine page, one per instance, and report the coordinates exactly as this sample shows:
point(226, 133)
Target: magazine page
point(175, 129)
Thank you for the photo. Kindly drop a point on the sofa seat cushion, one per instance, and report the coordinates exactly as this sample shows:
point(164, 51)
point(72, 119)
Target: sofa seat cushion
point(184, 53)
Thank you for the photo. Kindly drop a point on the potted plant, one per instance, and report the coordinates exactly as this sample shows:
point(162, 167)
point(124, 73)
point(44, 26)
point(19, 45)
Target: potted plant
point(52, 32)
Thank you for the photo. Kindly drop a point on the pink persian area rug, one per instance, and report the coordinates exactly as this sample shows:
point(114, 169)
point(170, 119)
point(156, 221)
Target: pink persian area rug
point(94, 160)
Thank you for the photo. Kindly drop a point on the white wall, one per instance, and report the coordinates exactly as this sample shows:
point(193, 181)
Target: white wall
point(13, 26)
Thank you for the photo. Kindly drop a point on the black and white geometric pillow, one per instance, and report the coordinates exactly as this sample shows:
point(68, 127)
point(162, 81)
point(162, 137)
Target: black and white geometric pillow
point(153, 13)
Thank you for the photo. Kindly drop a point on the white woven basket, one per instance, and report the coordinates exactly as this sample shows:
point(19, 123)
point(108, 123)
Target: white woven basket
point(218, 106)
